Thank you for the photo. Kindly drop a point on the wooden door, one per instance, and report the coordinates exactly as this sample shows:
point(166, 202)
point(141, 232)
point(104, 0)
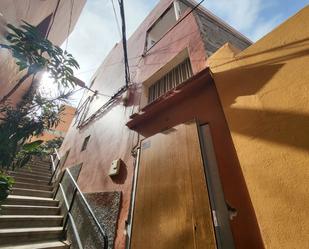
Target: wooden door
point(172, 208)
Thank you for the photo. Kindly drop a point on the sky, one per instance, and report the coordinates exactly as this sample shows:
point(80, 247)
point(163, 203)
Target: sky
point(96, 31)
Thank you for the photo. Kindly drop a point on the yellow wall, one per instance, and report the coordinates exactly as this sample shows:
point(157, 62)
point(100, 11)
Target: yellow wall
point(264, 91)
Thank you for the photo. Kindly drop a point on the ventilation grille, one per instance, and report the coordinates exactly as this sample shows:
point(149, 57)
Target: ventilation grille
point(173, 78)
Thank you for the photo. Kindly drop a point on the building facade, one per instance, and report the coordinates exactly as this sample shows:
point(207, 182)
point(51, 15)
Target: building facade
point(172, 160)
point(61, 129)
point(54, 20)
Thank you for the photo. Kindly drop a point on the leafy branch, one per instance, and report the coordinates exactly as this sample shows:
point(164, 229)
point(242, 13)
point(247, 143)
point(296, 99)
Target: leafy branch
point(34, 53)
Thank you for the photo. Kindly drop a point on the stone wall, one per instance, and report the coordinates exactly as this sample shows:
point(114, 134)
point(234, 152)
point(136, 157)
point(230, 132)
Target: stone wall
point(215, 34)
point(105, 205)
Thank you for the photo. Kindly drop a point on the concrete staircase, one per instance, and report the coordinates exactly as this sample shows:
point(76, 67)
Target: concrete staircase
point(30, 218)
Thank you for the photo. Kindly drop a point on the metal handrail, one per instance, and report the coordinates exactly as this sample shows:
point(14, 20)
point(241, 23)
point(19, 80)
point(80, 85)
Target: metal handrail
point(69, 207)
point(55, 168)
point(77, 189)
point(57, 154)
point(52, 163)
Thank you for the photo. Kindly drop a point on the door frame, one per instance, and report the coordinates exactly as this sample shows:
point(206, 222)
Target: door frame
point(218, 204)
point(129, 221)
point(209, 183)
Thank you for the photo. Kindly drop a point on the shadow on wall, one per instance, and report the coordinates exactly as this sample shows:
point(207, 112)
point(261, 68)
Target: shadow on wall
point(244, 81)
point(264, 92)
point(282, 127)
point(287, 128)
point(280, 54)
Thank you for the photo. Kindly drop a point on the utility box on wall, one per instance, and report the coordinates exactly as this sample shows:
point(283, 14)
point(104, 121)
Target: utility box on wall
point(115, 167)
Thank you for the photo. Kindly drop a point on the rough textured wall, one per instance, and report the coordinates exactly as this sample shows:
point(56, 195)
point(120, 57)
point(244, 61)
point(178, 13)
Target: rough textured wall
point(215, 34)
point(264, 93)
point(105, 206)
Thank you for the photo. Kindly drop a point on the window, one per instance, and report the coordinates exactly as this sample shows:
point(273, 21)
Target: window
point(85, 143)
point(82, 110)
point(173, 78)
point(164, 23)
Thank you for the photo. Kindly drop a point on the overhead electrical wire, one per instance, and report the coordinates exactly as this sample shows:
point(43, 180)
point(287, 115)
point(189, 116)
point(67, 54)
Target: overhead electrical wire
point(135, 57)
point(70, 23)
point(116, 18)
point(113, 99)
point(195, 7)
point(53, 19)
point(124, 43)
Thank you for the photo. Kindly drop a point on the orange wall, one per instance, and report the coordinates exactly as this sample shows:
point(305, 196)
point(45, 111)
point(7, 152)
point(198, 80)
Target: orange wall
point(264, 92)
point(66, 119)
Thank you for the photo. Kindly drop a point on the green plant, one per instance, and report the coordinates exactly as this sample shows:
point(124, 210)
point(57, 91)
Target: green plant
point(34, 53)
point(26, 153)
point(37, 148)
point(50, 145)
point(6, 184)
point(17, 125)
point(34, 114)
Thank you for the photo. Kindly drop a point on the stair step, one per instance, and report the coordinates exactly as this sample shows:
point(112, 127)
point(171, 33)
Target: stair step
point(30, 180)
point(35, 171)
point(39, 169)
point(40, 164)
point(20, 235)
point(30, 200)
point(19, 221)
point(31, 192)
point(33, 186)
point(40, 245)
point(28, 210)
point(29, 175)
point(41, 161)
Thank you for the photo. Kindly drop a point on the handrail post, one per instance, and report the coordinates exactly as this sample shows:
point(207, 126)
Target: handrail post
point(70, 209)
point(57, 154)
point(69, 216)
point(54, 172)
point(52, 163)
point(55, 167)
point(58, 185)
point(105, 238)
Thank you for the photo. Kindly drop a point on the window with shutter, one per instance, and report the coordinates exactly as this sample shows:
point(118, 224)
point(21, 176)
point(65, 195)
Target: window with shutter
point(173, 78)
